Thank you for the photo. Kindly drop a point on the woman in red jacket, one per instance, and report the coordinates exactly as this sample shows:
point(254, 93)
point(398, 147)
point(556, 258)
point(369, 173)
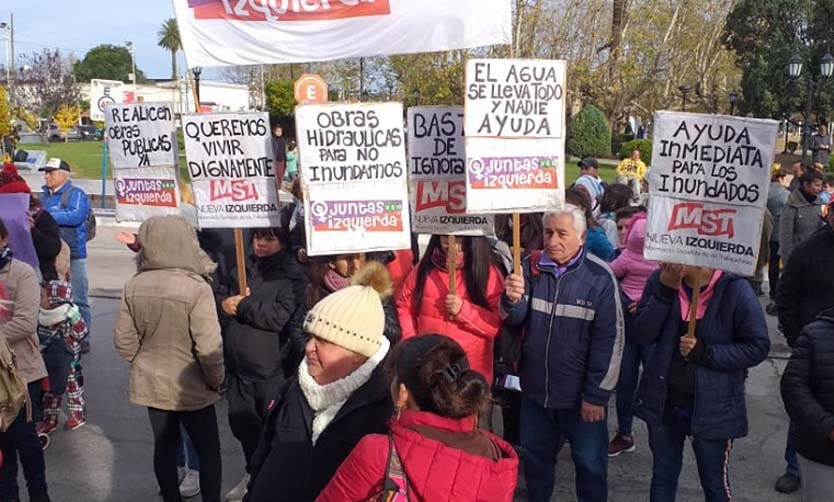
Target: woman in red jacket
point(434, 451)
point(471, 316)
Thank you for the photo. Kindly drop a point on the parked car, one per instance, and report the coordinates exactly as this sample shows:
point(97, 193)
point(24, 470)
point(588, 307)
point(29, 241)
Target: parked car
point(89, 133)
point(55, 134)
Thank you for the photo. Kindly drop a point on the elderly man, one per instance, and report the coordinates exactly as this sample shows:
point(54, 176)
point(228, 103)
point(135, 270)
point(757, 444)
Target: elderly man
point(69, 206)
point(568, 302)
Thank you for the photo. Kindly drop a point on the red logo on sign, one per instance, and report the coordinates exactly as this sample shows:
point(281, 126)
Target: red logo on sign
point(288, 10)
point(234, 190)
point(692, 215)
point(450, 195)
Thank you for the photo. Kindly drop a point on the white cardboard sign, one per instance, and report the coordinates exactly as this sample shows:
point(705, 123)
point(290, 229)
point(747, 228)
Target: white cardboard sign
point(140, 135)
point(232, 168)
point(708, 185)
point(437, 173)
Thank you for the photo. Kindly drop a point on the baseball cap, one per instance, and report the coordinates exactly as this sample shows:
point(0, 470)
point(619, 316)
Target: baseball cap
point(588, 162)
point(55, 164)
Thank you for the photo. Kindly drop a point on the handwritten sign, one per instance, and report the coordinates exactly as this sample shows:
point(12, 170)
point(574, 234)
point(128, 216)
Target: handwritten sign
point(140, 135)
point(708, 185)
point(515, 98)
point(509, 175)
point(354, 173)
point(232, 169)
point(437, 173)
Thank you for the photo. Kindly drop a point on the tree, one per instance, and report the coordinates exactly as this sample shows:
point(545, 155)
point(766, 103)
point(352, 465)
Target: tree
point(45, 83)
point(280, 103)
point(5, 113)
point(589, 134)
point(108, 62)
point(169, 39)
point(66, 118)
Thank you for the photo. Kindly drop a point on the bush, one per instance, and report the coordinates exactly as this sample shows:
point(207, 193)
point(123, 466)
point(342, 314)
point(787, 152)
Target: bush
point(644, 145)
point(589, 134)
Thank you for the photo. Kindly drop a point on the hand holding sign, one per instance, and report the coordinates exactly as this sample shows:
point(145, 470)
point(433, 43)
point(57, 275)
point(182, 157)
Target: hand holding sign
point(671, 275)
point(514, 287)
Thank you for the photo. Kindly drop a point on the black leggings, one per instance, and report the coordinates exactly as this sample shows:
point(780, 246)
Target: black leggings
point(201, 426)
point(773, 269)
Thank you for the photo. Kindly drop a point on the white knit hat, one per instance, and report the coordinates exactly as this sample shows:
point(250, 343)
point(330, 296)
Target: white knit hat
point(353, 317)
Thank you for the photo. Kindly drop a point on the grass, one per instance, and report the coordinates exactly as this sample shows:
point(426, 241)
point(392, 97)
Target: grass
point(84, 158)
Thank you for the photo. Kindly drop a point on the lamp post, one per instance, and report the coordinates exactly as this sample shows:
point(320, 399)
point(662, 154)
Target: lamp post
point(684, 89)
point(794, 68)
point(132, 49)
point(733, 98)
point(197, 71)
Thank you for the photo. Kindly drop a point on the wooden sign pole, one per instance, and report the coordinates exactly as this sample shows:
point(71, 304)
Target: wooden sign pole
point(452, 265)
point(516, 243)
point(240, 253)
point(693, 304)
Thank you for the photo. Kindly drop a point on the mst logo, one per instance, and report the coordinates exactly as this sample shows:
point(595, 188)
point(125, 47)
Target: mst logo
point(692, 215)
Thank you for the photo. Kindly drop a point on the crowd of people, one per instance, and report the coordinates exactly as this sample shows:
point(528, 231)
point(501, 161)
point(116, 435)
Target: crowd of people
point(384, 376)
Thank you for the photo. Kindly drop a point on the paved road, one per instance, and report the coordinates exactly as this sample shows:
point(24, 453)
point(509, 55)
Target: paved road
point(110, 459)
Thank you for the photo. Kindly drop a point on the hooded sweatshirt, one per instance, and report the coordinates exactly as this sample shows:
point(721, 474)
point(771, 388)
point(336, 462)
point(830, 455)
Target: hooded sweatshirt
point(630, 267)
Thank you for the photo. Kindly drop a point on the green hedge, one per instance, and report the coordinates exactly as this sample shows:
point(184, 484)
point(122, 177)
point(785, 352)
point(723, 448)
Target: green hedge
point(644, 145)
point(589, 134)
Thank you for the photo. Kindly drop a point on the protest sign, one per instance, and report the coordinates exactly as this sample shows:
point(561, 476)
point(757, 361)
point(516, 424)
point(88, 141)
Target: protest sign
point(708, 189)
point(140, 135)
point(227, 33)
point(143, 149)
point(230, 160)
point(437, 173)
point(511, 175)
point(354, 174)
point(515, 98)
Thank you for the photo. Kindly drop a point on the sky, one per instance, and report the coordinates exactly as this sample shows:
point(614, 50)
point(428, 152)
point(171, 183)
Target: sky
point(76, 26)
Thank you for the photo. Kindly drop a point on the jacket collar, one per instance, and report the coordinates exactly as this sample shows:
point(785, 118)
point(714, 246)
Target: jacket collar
point(546, 264)
point(797, 199)
point(410, 418)
point(66, 186)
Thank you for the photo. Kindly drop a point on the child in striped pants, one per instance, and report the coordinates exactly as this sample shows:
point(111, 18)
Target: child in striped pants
point(60, 332)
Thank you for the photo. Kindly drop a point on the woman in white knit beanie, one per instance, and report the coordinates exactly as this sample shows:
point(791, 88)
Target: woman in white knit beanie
point(339, 395)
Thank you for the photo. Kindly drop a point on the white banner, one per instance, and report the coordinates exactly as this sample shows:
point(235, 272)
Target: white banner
point(708, 184)
point(515, 98)
point(140, 135)
point(232, 169)
point(514, 175)
point(247, 32)
point(147, 192)
point(102, 94)
point(437, 173)
point(354, 172)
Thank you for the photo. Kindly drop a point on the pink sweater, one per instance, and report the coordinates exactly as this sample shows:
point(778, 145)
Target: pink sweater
point(630, 267)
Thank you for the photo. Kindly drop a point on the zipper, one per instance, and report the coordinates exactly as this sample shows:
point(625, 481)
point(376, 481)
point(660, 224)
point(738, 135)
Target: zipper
point(549, 336)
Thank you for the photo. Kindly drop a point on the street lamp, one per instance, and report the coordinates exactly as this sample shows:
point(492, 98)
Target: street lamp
point(197, 71)
point(733, 97)
point(132, 49)
point(794, 68)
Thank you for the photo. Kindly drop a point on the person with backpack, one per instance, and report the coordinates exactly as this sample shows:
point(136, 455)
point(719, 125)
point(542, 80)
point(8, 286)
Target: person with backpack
point(18, 333)
point(434, 451)
point(70, 207)
point(470, 315)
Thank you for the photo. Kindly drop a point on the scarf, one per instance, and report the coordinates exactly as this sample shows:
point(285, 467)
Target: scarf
point(5, 256)
point(703, 299)
point(57, 315)
point(327, 400)
point(334, 282)
point(439, 259)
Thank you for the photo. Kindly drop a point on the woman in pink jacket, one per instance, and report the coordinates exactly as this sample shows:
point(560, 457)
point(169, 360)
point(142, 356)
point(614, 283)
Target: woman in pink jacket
point(469, 317)
point(633, 271)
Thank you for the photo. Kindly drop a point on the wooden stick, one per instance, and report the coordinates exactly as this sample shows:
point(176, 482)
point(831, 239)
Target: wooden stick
point(452, 265)
point(516, 243)
point(241, 261)
point(362, 259)
point(693, 304)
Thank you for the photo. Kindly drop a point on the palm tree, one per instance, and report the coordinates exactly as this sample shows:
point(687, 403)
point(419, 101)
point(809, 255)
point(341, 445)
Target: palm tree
point(169, 39)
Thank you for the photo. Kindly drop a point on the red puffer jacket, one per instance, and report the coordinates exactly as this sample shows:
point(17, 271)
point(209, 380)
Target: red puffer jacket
point(474, 328)
point(443, 459)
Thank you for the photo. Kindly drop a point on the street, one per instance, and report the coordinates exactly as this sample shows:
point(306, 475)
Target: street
point(110, 459)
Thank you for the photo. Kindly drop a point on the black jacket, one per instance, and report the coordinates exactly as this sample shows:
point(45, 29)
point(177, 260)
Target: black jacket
point(288, 467)
point(808, 389)
point(806, 286)
point(46, 236)
point(255, 341)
